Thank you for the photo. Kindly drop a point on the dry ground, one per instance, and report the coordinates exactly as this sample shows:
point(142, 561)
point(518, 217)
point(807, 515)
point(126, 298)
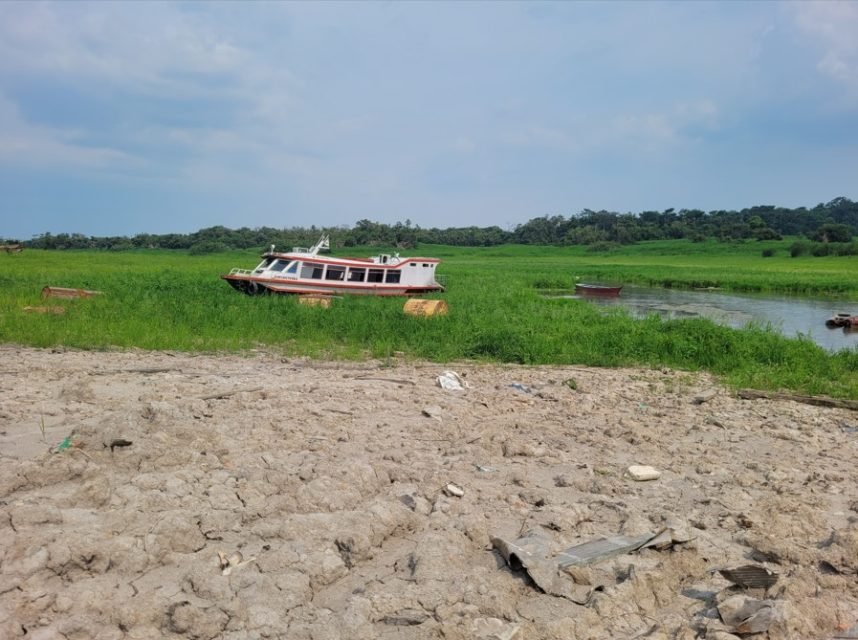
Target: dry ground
point(329, 477)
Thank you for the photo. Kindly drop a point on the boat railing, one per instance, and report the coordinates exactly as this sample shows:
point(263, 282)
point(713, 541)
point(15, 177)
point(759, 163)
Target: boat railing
point(241, 272)
point(323, 243)
point(442, 280)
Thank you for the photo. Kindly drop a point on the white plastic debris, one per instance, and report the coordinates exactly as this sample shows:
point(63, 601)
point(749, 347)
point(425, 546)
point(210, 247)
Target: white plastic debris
point(642, 473)
point(454, 490)
point(452, 381)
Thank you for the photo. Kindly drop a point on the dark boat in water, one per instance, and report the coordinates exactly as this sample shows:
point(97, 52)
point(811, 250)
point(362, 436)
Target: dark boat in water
point(605, 290)
point(846, 320)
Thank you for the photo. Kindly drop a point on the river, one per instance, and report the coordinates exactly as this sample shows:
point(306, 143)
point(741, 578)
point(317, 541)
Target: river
point(789, 315)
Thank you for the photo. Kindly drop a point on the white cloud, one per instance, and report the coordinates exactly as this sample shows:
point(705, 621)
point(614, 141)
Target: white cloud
point(24, 144)
point(834, 27)
point(670, 127)
point(130, 45)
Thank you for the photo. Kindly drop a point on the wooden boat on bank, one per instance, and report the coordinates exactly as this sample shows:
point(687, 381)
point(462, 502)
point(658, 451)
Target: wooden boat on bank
point(304, 272)
point(610, 291)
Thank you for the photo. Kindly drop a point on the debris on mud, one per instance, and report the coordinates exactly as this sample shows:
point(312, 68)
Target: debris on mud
point(452, 381)
point(750, 576)
point(745, 615)
point(119, 442)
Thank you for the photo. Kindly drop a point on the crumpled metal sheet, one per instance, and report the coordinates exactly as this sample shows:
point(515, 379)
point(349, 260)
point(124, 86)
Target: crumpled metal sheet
point(601, 549)
point(555, 574)
point(750, 576)
point(531, 553)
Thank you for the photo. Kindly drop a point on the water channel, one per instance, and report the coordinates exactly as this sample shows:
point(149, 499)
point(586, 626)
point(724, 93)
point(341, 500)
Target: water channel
point(789, 315)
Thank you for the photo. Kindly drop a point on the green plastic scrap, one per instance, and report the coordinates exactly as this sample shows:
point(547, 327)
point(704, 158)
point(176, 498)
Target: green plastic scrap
point(65, 444)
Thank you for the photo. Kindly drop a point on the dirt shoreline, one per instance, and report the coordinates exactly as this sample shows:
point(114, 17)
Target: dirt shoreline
point(329, 479)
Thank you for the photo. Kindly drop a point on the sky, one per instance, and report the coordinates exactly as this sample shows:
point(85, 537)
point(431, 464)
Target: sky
point(118, 118)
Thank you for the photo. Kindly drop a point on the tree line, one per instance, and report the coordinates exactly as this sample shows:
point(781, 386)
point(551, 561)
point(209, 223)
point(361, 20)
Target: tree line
point(832, 222)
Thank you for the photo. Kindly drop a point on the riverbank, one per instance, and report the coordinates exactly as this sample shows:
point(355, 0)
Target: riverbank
point(332, 481)
point(173, 301)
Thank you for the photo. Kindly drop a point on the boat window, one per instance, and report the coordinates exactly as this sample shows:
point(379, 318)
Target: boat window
point(265, 263)
point(412, 264)
point(357, 275)
point(293, 267)
point(375, 275)
point(425, 265)
point(335, 273)
point(385, 258)
point(393, 276)
point(279, 265)
point(312, 270)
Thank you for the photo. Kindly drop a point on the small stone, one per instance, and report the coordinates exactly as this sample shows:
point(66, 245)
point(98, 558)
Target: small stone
point(642, 473)
point(705, 396)
point(750, 615)
point(536, 497)
point(494, 629)
point(454, 490)
point(563, 480)
point(517, 447)
point(433, 411)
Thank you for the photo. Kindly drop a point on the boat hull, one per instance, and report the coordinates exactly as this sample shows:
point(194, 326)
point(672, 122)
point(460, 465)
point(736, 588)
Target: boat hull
point(597, 290)
point(257, 286)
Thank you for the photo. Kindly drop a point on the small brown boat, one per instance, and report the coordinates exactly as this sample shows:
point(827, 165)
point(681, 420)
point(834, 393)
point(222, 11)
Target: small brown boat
point(610, 291)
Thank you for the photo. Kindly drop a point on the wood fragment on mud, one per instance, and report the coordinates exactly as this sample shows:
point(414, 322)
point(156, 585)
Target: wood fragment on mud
point(144, 370)
point(818, 401)
point(226, 394)
point(394, 380)
point(119, 442)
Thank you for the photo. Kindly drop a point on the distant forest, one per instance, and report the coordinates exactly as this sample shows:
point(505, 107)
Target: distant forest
point(834, 222)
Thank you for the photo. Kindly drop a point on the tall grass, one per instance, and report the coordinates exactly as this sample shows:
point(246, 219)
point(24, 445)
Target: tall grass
point(169, 300)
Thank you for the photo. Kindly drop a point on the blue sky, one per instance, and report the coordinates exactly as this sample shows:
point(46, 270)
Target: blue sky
point(124, 118)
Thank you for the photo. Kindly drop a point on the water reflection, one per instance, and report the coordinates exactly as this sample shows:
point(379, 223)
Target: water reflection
point(789, 315)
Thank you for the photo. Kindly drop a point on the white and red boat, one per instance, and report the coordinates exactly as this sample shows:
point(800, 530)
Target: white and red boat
point(304, 271)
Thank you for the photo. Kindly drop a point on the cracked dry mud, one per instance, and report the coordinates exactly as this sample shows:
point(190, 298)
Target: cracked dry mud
point(329, 479)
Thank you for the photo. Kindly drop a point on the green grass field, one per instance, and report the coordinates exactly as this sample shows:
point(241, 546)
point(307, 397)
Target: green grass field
point(170, 300)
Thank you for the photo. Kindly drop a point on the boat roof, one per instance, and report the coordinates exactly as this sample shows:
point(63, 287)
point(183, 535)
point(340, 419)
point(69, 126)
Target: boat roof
point(300, 253)
point(395, 260)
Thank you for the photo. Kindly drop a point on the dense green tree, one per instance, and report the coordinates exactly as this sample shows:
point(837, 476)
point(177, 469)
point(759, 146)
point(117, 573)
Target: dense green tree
point(833, 222)
point(832, 232)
